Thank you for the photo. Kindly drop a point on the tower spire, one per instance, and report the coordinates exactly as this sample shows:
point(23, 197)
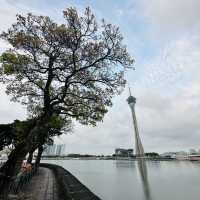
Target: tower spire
point(129, 91)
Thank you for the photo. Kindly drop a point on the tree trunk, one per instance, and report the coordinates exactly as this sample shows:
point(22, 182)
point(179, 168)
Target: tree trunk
point(12, 165)
point(40, 151)
point(14, 160)
point(30, 156)
point(23, 148)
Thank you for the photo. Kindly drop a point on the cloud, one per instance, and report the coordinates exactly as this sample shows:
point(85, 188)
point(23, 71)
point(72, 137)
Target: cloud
point(172, 16)
point(176, 63)
point(7, 15)
point(171, 119)
point(9, 111)
point(166, 83)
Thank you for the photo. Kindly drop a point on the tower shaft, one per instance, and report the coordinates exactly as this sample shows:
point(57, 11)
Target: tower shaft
point(138, 144)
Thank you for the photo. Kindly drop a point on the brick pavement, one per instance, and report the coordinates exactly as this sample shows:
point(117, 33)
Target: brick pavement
point(42, 186)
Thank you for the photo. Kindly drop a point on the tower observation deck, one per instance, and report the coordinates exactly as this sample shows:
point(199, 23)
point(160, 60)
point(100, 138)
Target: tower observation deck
point(138, 144)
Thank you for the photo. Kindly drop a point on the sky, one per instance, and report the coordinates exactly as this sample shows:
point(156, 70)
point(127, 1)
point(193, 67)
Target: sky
point(163, 38)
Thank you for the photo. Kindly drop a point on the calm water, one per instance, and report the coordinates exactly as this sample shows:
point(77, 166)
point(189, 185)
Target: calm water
point(133, 180)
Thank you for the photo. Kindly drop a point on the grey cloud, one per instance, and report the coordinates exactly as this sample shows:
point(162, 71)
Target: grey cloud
point(9, 111)
point(179, 123)
point(171, 16)
point(176, 63)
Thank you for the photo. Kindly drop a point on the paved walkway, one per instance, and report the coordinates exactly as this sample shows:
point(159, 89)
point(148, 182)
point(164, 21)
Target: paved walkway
point(42, 186)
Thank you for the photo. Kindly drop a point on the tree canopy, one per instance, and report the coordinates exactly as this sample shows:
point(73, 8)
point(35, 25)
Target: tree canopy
point(72, 69)
point(18, 131)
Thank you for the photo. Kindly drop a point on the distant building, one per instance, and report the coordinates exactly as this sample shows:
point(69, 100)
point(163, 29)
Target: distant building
point(193, 151)
point(50, 150)
point(60, 150)
point(54, 150)
point(184, 153)
point(4, 156)
point(179, 155)
point(168, 155)
point(123, 152)
point(5, 151)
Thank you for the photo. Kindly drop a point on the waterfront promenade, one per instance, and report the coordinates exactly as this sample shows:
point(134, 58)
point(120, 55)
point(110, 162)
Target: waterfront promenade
point(53, 182)
point(68, 186)
point(42, 186)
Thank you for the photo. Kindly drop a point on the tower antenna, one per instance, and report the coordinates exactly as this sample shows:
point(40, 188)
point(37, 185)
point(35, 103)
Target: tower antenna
point(129, 90)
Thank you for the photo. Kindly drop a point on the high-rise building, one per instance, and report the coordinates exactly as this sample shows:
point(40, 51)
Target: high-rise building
point(54, 150)
point(139, 151)
point(60, 150)
point(50, 150)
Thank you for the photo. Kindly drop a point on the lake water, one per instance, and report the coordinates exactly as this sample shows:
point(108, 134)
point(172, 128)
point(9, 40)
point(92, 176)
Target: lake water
point(137, 180)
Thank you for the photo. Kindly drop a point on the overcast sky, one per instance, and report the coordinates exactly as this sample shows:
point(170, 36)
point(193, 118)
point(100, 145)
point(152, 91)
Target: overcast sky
point(163, 37)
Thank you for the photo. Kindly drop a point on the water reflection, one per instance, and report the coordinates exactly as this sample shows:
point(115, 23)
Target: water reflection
point(144, 178)
point(125, 164)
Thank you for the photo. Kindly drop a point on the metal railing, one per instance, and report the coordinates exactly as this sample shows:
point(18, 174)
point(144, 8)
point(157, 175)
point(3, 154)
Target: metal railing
point(21, 179)
point(16, 183)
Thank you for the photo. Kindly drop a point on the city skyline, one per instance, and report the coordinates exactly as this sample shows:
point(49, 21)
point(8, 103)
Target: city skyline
point(166, 79)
